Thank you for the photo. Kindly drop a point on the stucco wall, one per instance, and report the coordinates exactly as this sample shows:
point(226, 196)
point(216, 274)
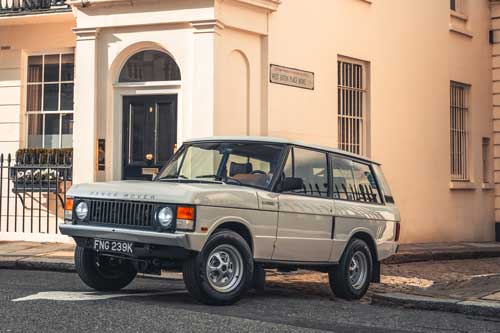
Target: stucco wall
point(413, 56)
point(238, 84)
point(19, 41)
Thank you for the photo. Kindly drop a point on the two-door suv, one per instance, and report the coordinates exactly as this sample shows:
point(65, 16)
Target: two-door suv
point(225, 209)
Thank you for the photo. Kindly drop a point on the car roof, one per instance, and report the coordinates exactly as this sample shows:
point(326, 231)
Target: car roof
point(268, 139)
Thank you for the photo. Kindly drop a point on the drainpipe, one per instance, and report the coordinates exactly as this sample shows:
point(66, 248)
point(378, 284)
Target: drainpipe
point(495, 65)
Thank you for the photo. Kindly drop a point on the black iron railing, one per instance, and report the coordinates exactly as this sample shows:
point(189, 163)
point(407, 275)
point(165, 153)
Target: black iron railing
point(33, 195)
point(14, 6)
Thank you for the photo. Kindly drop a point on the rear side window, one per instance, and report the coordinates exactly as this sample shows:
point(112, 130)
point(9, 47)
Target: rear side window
point(384, 186)
point(353, 181)
point(343, 179)
point(312, 168)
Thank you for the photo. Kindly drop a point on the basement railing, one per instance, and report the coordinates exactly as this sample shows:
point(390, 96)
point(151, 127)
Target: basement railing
point(31, 6)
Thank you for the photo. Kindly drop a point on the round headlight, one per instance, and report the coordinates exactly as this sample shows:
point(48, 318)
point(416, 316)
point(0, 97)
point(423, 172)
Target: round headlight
point(82, 210)
point(165, 217)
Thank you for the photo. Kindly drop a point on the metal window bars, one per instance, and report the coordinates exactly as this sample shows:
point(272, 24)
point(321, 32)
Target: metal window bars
point(21, 5)
point(459, 141)
point(351, 106)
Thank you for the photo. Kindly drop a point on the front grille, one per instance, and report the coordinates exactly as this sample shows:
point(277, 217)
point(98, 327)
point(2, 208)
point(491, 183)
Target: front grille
point(121, 213)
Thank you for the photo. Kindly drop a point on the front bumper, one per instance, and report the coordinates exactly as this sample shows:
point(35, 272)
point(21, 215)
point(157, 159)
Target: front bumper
point(138, 236)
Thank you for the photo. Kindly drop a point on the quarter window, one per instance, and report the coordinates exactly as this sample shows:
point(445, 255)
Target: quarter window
point(311, 167)
point(49, 101)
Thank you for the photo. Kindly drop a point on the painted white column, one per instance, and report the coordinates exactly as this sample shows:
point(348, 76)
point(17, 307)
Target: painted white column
point(203, 78)
point(84, 127)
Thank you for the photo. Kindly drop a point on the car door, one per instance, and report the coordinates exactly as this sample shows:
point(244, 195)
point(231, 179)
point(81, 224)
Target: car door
point(359, 206)
point(305, 214)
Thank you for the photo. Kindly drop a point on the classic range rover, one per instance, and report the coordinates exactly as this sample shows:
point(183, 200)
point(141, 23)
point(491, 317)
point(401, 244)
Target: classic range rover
point(225, 209)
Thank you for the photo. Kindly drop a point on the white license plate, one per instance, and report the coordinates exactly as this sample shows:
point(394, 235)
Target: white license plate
point(113, 246)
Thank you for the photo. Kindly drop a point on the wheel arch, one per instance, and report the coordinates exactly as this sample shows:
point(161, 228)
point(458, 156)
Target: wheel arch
point(368, 239)
point(238, 227)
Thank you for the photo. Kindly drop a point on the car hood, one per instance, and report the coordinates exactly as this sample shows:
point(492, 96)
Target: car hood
point(222, 195)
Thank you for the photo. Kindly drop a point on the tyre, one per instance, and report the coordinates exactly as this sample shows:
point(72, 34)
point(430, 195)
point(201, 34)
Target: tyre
point(259, 278)
point(103, 273)
point(350, 279)
point(222, 272)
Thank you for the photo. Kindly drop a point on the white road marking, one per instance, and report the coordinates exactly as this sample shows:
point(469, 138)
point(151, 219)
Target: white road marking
point(89, 295)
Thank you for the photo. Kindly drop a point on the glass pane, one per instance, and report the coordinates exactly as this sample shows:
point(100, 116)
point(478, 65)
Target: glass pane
point(50, 97)
point(67, 96)
point(311, 167)
point(201, 162)
point(342, 179)
point(67, 67)
point(51, 70)
point(366, 184)
point(34, 97)
point(67, 130)
point(52, 131)
point(252, 164)
point(150, 66)
point(167, 131)
point(35, 69)
point(139, 131)
point(35, 123)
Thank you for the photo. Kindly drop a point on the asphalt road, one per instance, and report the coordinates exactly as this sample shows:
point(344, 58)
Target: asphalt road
point(50, 301)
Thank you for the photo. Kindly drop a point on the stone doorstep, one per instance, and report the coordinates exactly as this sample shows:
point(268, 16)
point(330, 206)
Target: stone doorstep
point(474, 307)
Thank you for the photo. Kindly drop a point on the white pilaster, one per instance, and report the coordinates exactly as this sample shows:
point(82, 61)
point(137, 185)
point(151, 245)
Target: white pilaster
point(84, 129)
point(203, 77)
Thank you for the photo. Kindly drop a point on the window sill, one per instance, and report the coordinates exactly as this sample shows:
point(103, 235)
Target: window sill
point(487, 186)
point(458, 24)
point(465, 185)
point(461, 31)
point(458, 15)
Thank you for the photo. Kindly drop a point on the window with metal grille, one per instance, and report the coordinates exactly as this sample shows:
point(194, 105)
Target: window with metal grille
point(459, 142)
point(352, 106)
point(486, 160)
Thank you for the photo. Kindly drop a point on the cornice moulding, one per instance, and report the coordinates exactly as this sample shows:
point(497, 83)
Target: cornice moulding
point(271, 5)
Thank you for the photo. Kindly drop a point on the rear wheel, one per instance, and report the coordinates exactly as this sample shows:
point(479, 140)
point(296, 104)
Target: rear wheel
point(103, 273)
point(350, 279)
point(222, 272)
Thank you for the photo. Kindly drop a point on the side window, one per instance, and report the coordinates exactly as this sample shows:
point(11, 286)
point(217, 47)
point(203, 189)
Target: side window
point(366, 185)
point(311, 167)
point(353, 181)
point(343, 184)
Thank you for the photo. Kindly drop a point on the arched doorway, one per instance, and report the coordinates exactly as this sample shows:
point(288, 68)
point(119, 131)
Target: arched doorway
point(149, 121)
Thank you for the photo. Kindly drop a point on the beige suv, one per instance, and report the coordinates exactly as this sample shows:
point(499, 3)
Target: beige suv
point(224, 209)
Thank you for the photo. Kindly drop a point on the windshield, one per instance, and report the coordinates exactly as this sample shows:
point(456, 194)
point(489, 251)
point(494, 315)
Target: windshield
point(249, 164)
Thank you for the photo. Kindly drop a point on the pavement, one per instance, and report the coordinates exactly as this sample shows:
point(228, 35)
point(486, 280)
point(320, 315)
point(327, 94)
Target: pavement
point(454, 277)
point(43, 301)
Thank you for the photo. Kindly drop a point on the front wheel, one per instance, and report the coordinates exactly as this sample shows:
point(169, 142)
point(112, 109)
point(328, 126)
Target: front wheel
point(222, 272)
point(350, 279)
point(103, 273)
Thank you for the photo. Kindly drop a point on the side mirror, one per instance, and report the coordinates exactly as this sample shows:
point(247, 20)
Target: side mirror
point(291, 184)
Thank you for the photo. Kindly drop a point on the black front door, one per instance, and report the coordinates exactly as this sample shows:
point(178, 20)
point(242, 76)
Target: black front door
point(149, 134)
